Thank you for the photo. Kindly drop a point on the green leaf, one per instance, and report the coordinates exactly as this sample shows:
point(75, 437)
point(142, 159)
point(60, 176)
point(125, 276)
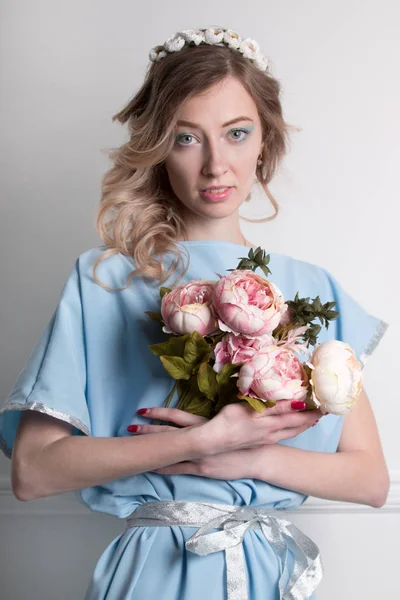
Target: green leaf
point(259, 254)
point(176, 367)
point(207, 381)
point(215, 338)
point(329, 305)
point(265, 270)
point(193, 400)
point(225, 373)
point(331, 314)
point(155, 316)
point(227, 393)
point(257, 404)
point(317, 304)
point(199, 405)
point(159, 349)
point(164, 290)
point(176, 346)
point(196, 349)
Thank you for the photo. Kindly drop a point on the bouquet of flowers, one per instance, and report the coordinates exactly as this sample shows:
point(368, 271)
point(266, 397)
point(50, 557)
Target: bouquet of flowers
point(237, 339)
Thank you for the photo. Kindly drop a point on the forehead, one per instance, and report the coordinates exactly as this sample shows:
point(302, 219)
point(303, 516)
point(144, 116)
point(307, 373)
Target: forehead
point(219, 103)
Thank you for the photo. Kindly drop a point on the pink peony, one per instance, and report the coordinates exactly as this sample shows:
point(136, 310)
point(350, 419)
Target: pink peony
point(237, 348)
point(248, 304)
point(274, 374)
point(286, 317)
point(187, 308)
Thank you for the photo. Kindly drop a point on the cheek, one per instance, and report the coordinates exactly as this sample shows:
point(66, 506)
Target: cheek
point(180, 170)
point(250, 164)
point(246, 168)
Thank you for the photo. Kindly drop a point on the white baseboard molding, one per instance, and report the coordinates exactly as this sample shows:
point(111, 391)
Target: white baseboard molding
point(69, 505)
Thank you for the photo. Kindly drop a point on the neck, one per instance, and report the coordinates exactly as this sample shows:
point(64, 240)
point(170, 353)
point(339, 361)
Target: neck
point(240, 239)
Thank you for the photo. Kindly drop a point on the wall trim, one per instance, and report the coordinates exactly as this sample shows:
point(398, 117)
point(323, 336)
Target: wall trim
point(69, 504)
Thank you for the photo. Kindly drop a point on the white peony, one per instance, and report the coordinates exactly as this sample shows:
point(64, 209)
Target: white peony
point(214, 35)
point(174, 43)
point(157, 53)
point(193, 35)
point(261, 61)
point(249, 48)
point(335, 378)
point(232, 39)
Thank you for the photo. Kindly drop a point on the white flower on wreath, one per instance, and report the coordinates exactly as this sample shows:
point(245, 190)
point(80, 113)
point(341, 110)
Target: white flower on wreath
point(261, 61)
point(174, 43)
point(214, 35)
point(249, 48)
point(193, 35)
point(157, 53)
point(232, 39)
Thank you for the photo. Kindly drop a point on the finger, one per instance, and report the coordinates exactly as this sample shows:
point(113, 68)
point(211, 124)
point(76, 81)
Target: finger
point(287, 420)
point(174, 415)
point(285, 406)
point(152, 429)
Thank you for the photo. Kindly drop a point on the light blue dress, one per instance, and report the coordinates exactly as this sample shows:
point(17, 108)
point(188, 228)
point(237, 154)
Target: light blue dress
point(92, 368)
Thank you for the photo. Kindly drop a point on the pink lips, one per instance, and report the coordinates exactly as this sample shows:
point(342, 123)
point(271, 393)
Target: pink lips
point(215, 187)
point(215, 196)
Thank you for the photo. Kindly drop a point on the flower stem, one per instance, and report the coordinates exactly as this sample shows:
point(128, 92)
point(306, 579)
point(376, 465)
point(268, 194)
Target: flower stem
point(168, 400)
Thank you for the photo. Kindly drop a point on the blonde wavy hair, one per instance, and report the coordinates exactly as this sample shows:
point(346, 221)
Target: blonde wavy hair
point(139, 213)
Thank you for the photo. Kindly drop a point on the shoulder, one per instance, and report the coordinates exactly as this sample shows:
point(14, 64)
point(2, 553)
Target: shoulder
point(304, 277)
point(93, 272)
point(107, 267)
point(88, 258)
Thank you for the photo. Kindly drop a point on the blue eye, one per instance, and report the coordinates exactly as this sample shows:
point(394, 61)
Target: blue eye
point(183, 135)
point(240, 130)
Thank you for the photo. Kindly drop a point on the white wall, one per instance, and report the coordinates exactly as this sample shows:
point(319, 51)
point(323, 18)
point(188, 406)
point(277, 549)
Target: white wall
point(66, 68)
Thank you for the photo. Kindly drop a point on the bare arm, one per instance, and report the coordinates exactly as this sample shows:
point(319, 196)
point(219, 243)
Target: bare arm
point(47, 459)
point(356, 473)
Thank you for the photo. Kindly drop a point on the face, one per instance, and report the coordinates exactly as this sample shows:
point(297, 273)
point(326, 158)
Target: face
point(218, 140)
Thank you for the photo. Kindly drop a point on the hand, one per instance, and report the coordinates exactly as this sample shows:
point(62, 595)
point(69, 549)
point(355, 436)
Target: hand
point(173, 415)
point(235, 464)
point(238, 426)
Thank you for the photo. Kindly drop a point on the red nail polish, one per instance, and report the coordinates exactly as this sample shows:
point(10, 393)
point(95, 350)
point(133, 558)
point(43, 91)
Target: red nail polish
point(133, 428)
point(142, 411)
point(298, 405)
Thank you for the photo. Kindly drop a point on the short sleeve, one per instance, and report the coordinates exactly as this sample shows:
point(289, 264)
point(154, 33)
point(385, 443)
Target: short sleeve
point(355, 325)
point(53, 380)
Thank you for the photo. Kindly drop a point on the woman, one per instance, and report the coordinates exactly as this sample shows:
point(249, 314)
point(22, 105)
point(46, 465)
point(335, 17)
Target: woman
point(207, 116)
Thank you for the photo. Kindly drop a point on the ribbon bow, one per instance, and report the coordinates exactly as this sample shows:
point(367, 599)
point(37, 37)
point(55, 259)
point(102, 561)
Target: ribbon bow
point(235, 521)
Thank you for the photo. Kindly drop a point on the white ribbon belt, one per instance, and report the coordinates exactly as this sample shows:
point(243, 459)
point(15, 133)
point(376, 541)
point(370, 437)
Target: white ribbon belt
point(235, 521)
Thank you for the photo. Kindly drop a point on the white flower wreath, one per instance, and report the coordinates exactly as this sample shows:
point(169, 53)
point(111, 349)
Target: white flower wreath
point(212, 36)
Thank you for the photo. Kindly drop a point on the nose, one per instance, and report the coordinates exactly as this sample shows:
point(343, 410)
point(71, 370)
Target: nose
point(215, 161)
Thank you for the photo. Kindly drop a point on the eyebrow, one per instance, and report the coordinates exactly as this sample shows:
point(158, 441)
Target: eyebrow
point(190, 124)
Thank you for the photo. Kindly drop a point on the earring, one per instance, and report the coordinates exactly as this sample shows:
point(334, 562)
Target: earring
point(259, 161)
